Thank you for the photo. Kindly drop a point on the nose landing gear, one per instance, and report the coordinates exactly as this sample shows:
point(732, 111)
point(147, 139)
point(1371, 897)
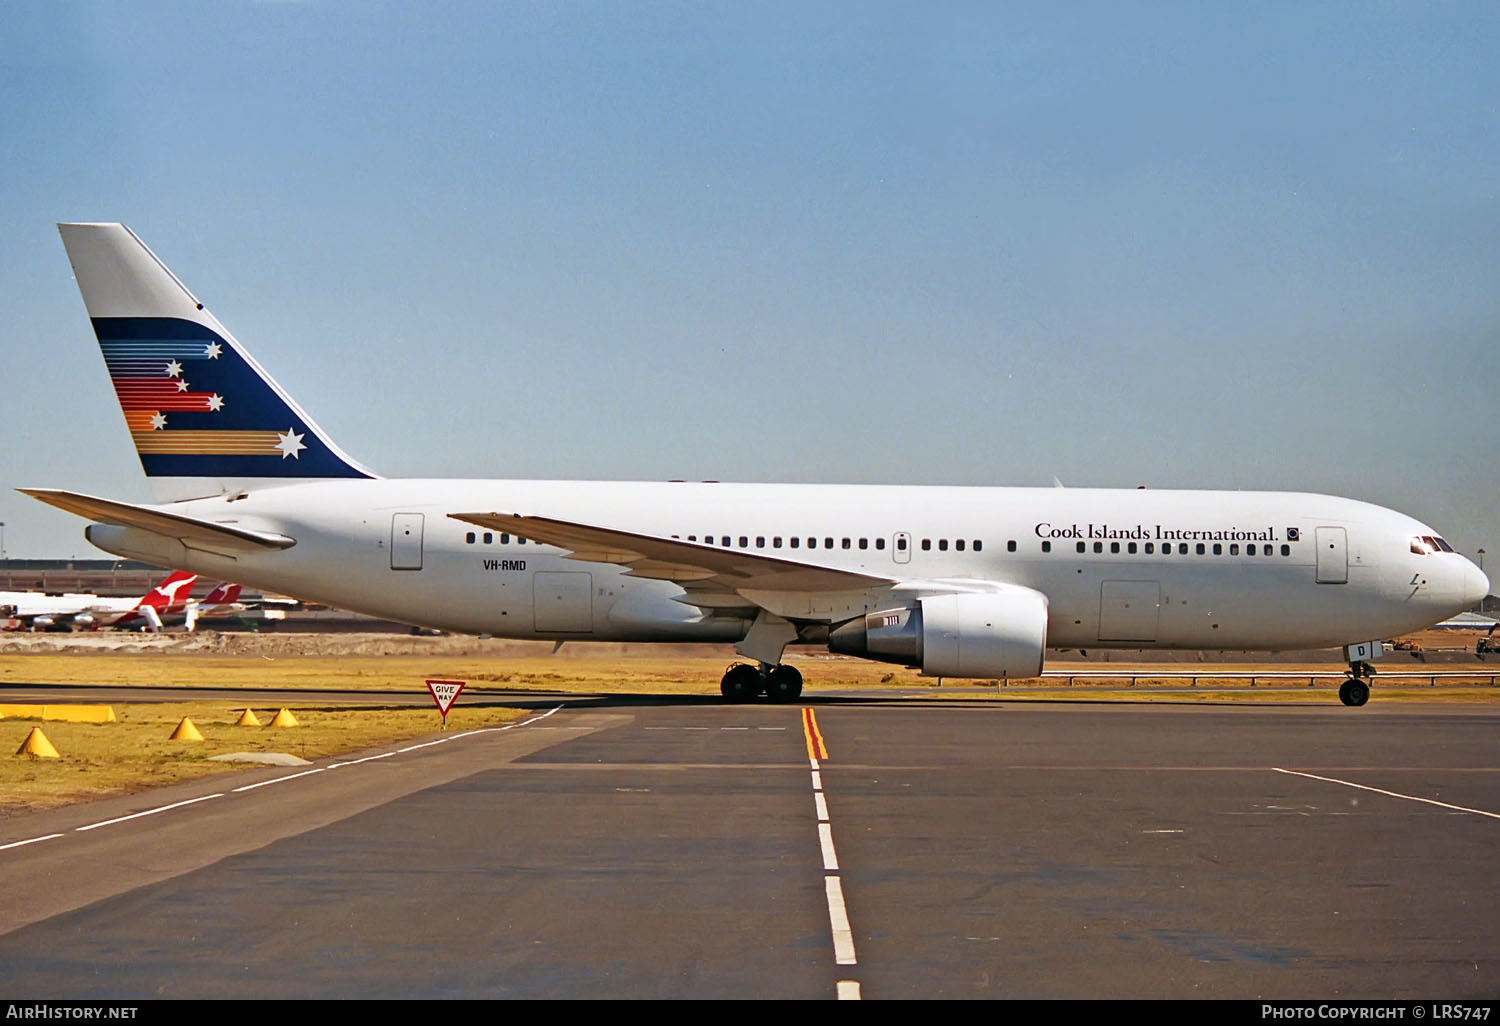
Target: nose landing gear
point(1356, 690)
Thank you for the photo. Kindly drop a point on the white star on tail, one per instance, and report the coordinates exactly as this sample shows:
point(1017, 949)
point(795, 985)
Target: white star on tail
point(174, 369)
point(215, 402)
point(158, 421)
point(213, 350)
point(290, 444)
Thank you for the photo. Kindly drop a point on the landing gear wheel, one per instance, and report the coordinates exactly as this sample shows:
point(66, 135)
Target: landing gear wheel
point(1354, 692)
point(784, 684)
point(742, 683)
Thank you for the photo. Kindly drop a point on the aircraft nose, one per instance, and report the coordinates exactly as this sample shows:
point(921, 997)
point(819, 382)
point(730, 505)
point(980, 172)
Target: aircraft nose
point(1476, 586)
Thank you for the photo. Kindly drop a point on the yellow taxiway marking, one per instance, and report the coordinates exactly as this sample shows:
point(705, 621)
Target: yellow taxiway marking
point(815, 749)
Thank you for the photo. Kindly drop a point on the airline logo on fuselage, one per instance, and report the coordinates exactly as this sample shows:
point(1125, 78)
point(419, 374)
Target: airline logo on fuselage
point(1161, 532)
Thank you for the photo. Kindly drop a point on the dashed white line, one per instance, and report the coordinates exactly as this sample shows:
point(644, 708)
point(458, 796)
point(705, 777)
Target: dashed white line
point(150, 812)
point(29, 840)
point(1392, 794)
point(825, 838)
point(838, 912)
point(279, 780)
point(843, 936)
point(356, 762)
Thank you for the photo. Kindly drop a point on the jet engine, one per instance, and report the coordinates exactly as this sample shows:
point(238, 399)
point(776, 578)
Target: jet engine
point(1000, 633)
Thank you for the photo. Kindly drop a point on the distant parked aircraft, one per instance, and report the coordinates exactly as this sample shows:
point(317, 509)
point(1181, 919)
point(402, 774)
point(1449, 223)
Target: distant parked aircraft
point(38, 610)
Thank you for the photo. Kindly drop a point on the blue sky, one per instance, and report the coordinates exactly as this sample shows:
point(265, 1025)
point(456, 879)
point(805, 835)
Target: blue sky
point(1180, 244)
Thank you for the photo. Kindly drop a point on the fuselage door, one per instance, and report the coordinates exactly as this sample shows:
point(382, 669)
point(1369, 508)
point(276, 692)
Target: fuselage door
point(901, 547)
point(1333, 555)
point(406, 541)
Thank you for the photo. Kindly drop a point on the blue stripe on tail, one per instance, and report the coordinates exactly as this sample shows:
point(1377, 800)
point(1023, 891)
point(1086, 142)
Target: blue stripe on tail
point(186, 390)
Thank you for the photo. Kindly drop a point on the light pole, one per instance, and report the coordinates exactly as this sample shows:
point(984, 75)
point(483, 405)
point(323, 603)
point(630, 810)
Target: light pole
point(1481, 557)
point(2, 539)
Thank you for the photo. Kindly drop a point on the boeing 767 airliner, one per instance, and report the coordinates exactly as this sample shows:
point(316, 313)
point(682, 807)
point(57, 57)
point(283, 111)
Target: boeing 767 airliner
point(958, 582)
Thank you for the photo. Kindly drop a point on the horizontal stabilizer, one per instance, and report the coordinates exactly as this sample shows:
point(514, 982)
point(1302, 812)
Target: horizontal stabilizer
point(188, 530)
point(672, 559)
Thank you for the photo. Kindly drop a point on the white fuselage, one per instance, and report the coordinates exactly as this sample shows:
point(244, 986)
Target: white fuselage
point(1157, 569)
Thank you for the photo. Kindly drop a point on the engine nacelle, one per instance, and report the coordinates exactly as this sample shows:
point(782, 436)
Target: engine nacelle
point(1001, 633)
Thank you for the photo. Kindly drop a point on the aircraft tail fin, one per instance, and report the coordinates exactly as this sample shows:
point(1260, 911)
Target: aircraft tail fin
point(222, 595)
point(172, 591)
point(204, 416)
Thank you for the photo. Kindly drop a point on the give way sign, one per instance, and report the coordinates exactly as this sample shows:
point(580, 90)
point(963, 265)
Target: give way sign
point(443, 693)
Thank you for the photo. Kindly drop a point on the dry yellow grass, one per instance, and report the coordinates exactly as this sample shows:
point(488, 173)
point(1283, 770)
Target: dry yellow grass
point(134, 753)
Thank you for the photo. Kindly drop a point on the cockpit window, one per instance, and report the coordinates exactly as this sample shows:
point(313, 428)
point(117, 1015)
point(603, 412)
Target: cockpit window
point(1428, 544)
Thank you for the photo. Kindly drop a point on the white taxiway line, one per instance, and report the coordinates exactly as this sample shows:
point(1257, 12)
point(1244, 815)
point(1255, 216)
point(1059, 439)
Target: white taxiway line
point(280, 780)
point(29, 840)
point(1392, 794)
point(838, 912)
point(150, 812)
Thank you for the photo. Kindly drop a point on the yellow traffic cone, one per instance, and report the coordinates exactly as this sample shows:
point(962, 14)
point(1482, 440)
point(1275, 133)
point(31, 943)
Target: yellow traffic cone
point(247, 719)
point(37, 746)
point(284, 718)
point(186, 732)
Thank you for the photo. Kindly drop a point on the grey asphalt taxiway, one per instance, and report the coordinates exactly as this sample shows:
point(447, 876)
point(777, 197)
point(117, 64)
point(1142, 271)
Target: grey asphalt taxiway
point(691, 849)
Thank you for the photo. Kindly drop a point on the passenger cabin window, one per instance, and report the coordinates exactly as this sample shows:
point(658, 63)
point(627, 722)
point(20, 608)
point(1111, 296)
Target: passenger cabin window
point(845, 543)
point(1082, 547)
point(864, 543)
point(880, 544)
point(1114, 547)
point(776, 542)
point(1200, 549)
point(795, 542)
point(1010, 546)
point(943, 545)
point(900, 544)
point(959, 545)
point(1218, 549)
point(489, 539)
point(926, 544)
point(1098, 547)
point(469, 537)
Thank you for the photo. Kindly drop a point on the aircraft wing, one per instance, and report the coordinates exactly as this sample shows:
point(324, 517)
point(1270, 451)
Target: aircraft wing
point(698, 568)
point(158, 521)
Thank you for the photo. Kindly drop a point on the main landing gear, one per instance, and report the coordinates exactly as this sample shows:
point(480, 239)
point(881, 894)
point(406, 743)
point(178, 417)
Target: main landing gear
point(745, 682)
point(1356, 690)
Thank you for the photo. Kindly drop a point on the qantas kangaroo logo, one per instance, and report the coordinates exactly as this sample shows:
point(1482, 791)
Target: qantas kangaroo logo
point(168, 589)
